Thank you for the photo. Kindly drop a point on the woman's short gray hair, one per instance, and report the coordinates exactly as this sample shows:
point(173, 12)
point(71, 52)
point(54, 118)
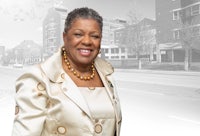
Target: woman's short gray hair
point(84, 12)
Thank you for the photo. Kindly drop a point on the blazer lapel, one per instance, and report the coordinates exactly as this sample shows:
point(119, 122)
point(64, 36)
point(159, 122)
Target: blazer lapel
point(72, 91)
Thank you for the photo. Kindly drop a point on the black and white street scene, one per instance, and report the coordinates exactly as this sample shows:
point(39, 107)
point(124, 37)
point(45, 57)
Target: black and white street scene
point(153, 45)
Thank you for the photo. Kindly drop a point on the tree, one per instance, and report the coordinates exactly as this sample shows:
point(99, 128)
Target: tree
point(133, 35)
point(187, 37)
point(137, 40)
point(141, 36)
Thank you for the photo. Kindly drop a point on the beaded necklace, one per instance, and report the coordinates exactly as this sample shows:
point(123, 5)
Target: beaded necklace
point(75, 73)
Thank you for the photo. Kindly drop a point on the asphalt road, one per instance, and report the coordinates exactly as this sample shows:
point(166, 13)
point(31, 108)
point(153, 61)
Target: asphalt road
point(156, 103)
point(153, 103)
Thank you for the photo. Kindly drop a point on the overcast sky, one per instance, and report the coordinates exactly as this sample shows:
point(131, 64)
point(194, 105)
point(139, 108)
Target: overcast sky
point(22, 19)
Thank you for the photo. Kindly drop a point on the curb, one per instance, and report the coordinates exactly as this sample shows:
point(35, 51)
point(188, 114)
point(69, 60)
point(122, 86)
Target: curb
point(186, 73)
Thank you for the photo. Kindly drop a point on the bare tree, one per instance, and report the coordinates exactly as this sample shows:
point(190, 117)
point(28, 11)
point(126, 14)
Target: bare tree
point(187, 37)
point(133, 35)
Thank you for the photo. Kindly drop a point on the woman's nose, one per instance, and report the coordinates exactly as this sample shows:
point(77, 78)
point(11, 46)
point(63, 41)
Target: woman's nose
point(86, 40)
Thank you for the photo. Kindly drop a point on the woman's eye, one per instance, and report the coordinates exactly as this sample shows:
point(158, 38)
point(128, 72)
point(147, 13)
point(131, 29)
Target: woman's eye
point(96, 36)
point(78, 34)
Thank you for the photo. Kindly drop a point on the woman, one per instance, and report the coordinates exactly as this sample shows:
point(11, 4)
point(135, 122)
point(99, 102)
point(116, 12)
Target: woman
point(72, 93)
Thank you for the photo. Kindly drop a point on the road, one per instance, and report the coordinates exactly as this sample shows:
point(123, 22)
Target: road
point(158, 103)
point(153, 103)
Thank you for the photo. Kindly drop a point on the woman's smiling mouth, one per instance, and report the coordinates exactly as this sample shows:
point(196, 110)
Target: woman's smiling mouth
point(85, 52)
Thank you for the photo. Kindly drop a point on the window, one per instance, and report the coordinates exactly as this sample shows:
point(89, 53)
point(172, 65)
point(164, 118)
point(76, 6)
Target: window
point(195, 10)
point(176, 34)
point(123, 50)
point(112, 50)
point(187, 12)
point(106, 50)
point(196, 31)
point(176, 15)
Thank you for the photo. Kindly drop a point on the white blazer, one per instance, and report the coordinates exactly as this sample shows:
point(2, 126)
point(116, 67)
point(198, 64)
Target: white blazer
point(48, 102)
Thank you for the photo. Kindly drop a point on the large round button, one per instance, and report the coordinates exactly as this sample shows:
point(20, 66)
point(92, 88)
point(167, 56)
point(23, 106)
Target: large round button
point(61, 130)
point(40, 87)
point(98, 128)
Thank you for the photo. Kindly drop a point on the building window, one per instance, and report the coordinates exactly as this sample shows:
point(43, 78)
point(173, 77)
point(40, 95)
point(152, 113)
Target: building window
point(176, 34)
point(176, 15)
point(106, 50)
point(188, 12)
point(196, 31)
point(195, 10)
point(123, 50)
point(112, 50)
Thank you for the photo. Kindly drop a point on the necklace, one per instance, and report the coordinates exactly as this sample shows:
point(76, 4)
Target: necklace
point(75, 73)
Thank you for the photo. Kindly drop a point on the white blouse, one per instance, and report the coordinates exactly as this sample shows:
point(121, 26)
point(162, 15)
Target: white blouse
point(101, 110)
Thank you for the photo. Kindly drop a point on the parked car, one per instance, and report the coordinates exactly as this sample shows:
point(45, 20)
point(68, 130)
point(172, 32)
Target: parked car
point(17, 65)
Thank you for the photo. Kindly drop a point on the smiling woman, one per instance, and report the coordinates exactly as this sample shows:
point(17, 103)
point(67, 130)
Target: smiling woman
point(72, 93)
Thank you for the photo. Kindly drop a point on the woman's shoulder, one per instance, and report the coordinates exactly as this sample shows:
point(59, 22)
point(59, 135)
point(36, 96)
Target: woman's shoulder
point(33, 71)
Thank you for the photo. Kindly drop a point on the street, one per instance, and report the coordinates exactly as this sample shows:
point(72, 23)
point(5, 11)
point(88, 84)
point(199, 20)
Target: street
point(154, 103)
point(159, 103)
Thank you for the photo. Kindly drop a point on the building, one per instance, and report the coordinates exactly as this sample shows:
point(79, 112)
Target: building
point(108, 47)
point(109, 27)
point(53, 27)
point(138, 40)
point(27, 53)
point(178, 22)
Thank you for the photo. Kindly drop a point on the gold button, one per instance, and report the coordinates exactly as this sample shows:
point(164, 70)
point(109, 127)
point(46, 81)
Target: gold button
point(63, 75)
point(61, 130)
point(40, 87)
point(98, 128)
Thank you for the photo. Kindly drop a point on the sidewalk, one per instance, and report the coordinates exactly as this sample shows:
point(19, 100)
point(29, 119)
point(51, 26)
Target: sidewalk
point(188, 73)
point(165, 68)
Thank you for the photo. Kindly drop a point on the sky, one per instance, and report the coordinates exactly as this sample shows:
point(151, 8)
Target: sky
point(22, 19)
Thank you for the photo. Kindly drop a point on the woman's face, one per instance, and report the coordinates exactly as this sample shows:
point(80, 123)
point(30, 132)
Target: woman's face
point(82, 41)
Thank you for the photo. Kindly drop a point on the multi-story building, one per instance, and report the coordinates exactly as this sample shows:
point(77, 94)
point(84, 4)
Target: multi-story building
point(109, 26)
point(53, 27)
point(108, 47)
point(177, 20)
point(138, 39)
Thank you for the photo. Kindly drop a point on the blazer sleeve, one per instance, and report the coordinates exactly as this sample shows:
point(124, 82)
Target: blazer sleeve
point(31, 99)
